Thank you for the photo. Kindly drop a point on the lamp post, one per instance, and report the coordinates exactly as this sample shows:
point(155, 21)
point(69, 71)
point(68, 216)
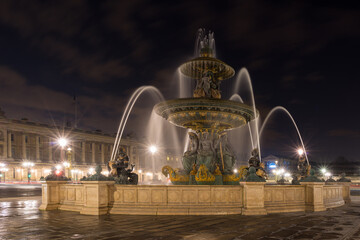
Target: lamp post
point(28, 165)
point(63, 142)
point(3, 170)
point(153, 149)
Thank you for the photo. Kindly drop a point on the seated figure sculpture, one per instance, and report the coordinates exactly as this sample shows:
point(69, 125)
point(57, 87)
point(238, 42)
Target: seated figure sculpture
point(206, 152)
point(302, 167)
point(255, 162)
point(119, 169)
point(189, 158)
point(225, 154)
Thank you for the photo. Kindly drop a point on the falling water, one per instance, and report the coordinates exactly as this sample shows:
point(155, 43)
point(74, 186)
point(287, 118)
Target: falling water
point(244, 74)
point(185, 85)
point(134, 97)
point(163, 134)
point(280, 108)
point(236, 97)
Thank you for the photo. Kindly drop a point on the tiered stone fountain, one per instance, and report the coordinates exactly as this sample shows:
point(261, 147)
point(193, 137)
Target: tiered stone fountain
point(209, 158)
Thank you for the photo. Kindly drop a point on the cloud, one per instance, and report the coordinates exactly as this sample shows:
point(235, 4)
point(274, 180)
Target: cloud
point(92, 67)
point(20, 99)
point(344, 133)
point(54, 29)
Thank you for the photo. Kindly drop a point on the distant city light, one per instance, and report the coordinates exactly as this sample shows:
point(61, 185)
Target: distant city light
point(287, 174)
point(91, 170)
point(272, 165)
point(58, 167)
point(323, 170)
point(28, 164)
point(327, 174)
point(235, 170)
point(66, 164)
point(153, 149)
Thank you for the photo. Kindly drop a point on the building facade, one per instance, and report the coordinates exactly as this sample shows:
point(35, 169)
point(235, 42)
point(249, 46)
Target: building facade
point(25, 141)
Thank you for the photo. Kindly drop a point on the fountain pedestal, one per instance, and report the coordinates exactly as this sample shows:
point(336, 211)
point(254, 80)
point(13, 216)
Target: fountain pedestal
point(96, 197)
point(51, 195)
point(253, 198)
point(314, 196)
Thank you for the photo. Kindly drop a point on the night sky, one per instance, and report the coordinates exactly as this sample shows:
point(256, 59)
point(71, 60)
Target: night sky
point(303, 55)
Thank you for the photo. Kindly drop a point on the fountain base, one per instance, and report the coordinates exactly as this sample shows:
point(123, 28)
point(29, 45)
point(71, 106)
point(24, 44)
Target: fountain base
point(248, 198)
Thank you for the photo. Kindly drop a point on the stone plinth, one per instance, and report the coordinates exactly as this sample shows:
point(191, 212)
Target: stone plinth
point(254, 198)
point(96, 197)
point(51, 195)
point(314, 196)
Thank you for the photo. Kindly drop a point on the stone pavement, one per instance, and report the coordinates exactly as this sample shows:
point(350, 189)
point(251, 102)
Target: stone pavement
point(21, 219)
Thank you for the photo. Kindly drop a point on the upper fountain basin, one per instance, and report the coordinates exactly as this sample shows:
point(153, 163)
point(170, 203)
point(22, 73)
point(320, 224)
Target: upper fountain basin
point(201, 114)
point(196, 67)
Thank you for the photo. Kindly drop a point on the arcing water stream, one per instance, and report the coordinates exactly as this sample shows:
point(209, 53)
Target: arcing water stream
point(280, 108)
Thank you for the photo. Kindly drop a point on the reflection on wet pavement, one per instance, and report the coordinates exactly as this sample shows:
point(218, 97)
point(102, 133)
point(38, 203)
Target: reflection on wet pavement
point(19, 190)
point(21, 219)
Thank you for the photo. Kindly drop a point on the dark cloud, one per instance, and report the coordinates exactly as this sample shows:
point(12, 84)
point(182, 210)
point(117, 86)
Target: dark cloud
point(341, 132)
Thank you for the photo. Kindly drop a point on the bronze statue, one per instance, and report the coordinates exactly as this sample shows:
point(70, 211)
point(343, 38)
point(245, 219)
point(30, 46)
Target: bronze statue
point(206, 151)
point(203, 86)
point(225, 154)
point(119, 169)
point(254, 160)
point(303, 167)
point(189, 158)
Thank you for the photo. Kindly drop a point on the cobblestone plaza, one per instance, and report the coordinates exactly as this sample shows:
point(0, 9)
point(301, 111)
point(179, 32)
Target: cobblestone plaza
point(21, 219)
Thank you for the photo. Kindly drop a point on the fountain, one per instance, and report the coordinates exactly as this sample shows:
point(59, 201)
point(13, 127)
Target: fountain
point(207, 184)
point(209, 155)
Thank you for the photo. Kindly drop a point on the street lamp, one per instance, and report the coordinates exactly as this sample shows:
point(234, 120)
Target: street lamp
point(300, 151)
point(28, 165)
point(3, 169)
point(63, 142)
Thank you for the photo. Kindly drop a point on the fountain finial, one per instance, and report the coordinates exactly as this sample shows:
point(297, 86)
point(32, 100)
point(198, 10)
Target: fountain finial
point(205, 43)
